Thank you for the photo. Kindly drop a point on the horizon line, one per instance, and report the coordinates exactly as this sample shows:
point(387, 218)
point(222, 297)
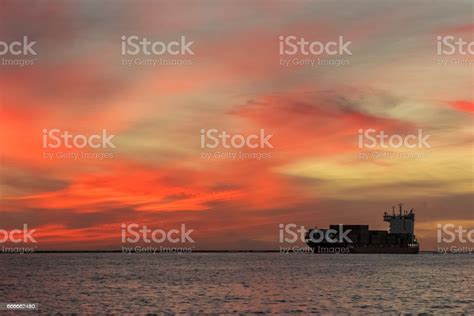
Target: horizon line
point(168, 252)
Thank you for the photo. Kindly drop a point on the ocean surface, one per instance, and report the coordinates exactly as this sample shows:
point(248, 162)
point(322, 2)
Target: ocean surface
point(239, 283)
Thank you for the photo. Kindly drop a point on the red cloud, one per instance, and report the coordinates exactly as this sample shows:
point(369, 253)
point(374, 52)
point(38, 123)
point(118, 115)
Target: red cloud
point(314, 123)
point(464, 106)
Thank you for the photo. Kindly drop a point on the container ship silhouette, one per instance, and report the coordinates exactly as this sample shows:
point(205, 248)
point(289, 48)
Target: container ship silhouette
point(400, 239)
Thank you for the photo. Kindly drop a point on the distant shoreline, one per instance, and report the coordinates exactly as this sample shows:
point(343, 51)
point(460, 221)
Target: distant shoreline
point(164, 252)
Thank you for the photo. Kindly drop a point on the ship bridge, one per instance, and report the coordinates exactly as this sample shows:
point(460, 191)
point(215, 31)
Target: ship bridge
point(401, 223)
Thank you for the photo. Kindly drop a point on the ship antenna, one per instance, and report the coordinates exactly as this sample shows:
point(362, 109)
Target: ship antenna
point(400, 205)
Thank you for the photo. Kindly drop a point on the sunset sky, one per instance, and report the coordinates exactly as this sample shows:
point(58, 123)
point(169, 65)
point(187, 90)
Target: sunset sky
point(395, 81)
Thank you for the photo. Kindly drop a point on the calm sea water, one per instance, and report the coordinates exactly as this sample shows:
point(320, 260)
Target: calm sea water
point(240, 283)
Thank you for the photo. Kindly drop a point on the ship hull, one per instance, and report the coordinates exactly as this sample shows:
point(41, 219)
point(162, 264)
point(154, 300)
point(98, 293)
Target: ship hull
point(395, 250)
point(354, 249)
